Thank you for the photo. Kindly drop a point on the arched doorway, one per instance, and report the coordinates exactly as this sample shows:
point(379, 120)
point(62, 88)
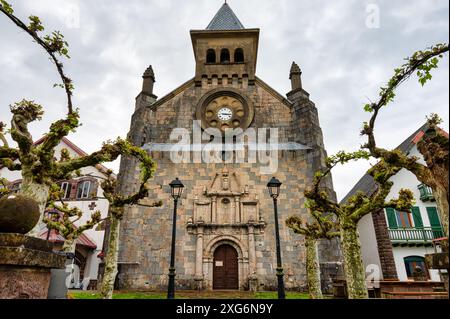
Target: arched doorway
point(225, 270)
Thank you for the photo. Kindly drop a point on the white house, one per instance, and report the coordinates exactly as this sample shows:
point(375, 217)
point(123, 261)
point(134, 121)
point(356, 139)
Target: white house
point(86, 194)
point(396, 242)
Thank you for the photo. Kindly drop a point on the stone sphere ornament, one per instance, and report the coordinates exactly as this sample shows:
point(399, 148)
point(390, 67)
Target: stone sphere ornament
point(18, 214)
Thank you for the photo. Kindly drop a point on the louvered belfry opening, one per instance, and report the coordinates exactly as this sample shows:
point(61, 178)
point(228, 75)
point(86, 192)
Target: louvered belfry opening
point(225, 56)
point(211, 56)
point(239, 55)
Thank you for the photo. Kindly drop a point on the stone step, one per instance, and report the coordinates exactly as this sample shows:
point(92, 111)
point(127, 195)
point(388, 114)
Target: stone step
point(414, 295)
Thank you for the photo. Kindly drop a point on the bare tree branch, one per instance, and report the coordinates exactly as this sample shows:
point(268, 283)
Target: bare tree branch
point(421, 62)
point(67, 82)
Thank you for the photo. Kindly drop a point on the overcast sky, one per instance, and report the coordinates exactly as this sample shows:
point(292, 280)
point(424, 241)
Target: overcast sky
point(344, 61)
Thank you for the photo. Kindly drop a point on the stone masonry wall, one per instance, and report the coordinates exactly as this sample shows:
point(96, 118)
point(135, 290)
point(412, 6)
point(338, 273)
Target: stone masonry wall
point(146, 232)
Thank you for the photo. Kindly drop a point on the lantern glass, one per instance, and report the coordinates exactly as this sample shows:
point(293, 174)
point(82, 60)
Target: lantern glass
point(177, 188)
point(274, 187)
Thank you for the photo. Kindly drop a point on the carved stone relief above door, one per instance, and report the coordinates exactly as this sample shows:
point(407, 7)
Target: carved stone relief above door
point(225, 201)
point(225, 212)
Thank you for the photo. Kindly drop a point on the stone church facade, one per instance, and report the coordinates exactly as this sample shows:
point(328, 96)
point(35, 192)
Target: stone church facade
point(225, 224)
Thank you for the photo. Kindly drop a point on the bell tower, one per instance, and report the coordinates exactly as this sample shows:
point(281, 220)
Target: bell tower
point(226, 50)
point(225, 221)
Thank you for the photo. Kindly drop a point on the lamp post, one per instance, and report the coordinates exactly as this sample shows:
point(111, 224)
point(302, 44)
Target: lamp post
point(176, 189)
point(274, 191)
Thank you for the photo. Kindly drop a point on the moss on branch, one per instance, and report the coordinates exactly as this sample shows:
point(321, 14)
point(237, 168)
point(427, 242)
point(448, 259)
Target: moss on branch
point(68, 216)
point(420, 63)
point(433, 146)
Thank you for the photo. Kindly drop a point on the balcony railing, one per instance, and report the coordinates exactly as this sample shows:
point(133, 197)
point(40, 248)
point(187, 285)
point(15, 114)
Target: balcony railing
point(415, 235)
point(426, 193)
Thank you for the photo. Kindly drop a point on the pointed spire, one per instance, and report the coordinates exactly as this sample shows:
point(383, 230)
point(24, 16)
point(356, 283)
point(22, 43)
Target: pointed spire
point(225, 19)
point(149, 73)
point(149, 81)
point(295, 76)
point(295, 69)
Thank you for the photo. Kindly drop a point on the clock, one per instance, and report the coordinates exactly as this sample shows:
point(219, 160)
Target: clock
point(225, 114)
point(225, 109)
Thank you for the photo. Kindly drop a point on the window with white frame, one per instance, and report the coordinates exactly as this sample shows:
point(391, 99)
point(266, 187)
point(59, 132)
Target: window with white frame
point(83, 189)
point(15, 188)
point(65, 188)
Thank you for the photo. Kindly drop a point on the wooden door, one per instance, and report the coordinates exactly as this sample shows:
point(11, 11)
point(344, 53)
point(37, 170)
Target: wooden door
point(226, 273)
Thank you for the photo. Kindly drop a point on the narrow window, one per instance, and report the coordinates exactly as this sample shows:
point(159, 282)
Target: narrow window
point(413, 264)
point(404, 220)
point(392, 218)
point(435, 222)
point(225, 56)
point(239, 55)
point(83, 190)
point(65, 188)
point(211, 56)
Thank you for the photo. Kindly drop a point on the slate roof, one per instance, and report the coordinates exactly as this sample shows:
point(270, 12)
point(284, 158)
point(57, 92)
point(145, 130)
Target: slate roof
point(367, 184)
point(225, 19)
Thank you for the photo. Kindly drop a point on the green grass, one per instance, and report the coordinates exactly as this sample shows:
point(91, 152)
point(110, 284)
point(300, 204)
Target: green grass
point(188, 295)
point(274, 295)
point(117, 295)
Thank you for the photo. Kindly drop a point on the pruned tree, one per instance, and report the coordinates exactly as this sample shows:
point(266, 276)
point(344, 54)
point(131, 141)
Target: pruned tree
point(40, 169)
point(434, 145)
point(117, 204)
point(350, 213)
point(37, 162)
point(322, 227)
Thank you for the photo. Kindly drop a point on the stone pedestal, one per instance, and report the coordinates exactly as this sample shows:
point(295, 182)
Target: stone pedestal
point(25, 266)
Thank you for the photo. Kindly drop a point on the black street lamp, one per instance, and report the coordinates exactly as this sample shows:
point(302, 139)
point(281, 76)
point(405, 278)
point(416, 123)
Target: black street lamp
point(274, 191)
point(177, 190)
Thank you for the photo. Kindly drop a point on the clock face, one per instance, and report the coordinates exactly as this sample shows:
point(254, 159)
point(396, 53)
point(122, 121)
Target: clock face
point(225, 114)
point(224, 110)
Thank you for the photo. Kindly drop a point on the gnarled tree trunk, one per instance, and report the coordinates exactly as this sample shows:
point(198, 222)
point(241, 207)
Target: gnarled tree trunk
point(353, 265)
point(434, 150)
point(112, 256)
point(441, 196)
point(69, 246)
point(38, 192)
point(313, 269)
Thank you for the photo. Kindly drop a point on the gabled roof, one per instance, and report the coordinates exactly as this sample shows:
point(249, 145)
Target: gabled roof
point(55, 237)
point(367, 184)
point(225, 19)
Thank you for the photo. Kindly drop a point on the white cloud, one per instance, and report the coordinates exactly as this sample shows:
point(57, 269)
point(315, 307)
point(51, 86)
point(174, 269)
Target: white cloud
point(343, 62)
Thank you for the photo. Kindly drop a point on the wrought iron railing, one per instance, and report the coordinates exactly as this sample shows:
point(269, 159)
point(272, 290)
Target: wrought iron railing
point(415, 235)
